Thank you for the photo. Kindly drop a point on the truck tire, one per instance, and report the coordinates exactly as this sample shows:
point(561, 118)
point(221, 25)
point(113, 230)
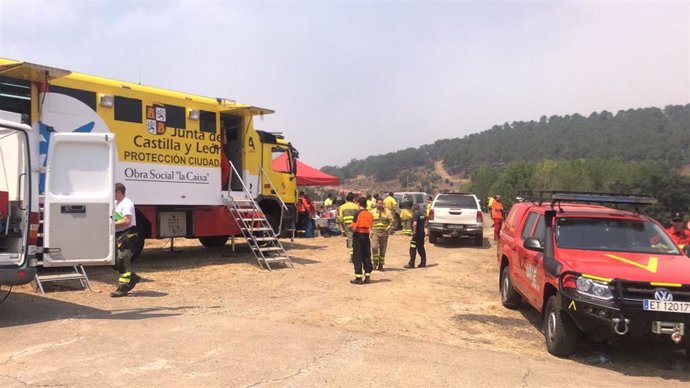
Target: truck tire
point(509, 297)
point(433, 237)
point(274, 221)
point(479, 240)
point(559, 330)
point(213, 241)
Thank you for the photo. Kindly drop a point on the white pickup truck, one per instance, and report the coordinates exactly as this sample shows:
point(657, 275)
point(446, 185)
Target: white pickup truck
point(456, 215)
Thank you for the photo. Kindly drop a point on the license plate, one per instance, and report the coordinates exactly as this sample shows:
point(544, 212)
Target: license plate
point(667, 306)
point(458, 227)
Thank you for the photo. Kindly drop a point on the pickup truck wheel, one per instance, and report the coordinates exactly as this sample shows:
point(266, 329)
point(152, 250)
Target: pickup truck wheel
point(213, 241)
point(433, 237)
point(559, 329)
point(509, 297)
point(479, 240)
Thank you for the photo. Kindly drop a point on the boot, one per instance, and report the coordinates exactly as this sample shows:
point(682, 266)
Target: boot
point(381, 267)
point(133, 281)
point(356, 281)
point(367, 280)
point(421, 265)
point(122, 290)
point(409, 265)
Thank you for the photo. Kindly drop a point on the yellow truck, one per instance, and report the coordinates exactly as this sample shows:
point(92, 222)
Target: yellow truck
point(175, 152)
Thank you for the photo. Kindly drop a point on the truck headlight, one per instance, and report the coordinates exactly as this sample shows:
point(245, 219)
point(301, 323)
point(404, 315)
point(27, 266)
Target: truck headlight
point(594, 288)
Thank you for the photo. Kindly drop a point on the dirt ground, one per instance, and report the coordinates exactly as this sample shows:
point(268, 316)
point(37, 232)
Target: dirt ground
point(213, 317)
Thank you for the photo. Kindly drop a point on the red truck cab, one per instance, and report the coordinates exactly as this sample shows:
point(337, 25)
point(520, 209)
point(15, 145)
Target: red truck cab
point(592, 268)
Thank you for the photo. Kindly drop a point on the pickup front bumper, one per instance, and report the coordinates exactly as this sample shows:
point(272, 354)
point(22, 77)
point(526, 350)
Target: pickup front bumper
point(625, 314)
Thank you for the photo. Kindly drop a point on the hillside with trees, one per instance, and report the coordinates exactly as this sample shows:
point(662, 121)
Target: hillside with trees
point(633, 135)
point(636, 150)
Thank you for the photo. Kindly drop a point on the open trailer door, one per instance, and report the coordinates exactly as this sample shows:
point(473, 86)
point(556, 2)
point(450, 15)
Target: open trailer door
point(79, 200)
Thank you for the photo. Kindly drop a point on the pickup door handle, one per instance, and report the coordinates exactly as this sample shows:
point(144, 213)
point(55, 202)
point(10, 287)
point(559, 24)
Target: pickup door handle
point(73, 209)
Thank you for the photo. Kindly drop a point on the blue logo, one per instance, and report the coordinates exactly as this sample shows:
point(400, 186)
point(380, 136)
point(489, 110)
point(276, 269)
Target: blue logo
point(45, 132)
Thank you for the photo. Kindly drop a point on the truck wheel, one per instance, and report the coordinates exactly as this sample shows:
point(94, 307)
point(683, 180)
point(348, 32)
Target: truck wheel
point(559, 329)
point(213, 241)
point(274, 221)
point(433, 237)
point(509, 297)
point(479, 240)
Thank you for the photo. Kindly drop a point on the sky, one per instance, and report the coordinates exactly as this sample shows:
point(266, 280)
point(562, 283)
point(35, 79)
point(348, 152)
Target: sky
point(350, 79)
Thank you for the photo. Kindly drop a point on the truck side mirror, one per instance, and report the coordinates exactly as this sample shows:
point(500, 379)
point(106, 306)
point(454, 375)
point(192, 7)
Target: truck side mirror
point(686, 250)
point(533, 244)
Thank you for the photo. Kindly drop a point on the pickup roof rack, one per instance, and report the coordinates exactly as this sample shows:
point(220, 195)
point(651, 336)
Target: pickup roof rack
point(556, 197)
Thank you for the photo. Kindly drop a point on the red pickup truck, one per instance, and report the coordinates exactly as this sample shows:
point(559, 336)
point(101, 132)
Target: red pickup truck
point(593, 269)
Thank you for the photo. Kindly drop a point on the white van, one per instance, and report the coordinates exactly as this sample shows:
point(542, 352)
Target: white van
point(75, 211)
point(416, 196)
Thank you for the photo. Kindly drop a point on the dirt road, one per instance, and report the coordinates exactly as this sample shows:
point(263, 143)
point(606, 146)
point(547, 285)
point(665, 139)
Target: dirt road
point(212, 317)
point(441, 171)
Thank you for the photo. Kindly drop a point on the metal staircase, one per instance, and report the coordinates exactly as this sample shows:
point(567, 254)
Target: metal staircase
point(256, 229)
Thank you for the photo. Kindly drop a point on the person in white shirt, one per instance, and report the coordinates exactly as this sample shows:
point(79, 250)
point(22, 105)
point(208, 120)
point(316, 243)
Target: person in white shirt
point(126, 237)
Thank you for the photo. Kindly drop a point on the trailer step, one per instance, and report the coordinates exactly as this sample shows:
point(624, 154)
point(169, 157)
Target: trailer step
point(269, 249)
point(78, 273)
point(264, 239)
point(253, 219)
point(61, 276)
point(259, 229)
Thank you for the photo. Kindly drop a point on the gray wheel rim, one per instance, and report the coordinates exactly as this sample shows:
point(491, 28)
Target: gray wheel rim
point(551, 326)
point(504, 291)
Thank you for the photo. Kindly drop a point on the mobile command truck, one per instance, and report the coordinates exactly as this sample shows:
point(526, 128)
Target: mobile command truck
point(171, 149)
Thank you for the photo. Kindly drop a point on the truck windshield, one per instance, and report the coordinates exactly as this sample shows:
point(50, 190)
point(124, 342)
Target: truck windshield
point(607, 234)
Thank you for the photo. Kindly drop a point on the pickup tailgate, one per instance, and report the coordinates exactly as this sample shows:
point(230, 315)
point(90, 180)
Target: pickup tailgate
point(456, 215)
point(455, 209)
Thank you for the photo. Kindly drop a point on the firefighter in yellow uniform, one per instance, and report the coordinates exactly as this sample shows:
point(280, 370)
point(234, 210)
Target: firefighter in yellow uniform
point(406, 215)
point(383, 221)
point(390, 203)
point(346, 213)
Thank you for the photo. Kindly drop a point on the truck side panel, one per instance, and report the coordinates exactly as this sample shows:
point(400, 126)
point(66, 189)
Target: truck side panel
point(217, 221)
point(163, 156)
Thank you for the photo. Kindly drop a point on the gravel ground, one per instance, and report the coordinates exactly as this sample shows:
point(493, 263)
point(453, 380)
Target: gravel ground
point(212, 317)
